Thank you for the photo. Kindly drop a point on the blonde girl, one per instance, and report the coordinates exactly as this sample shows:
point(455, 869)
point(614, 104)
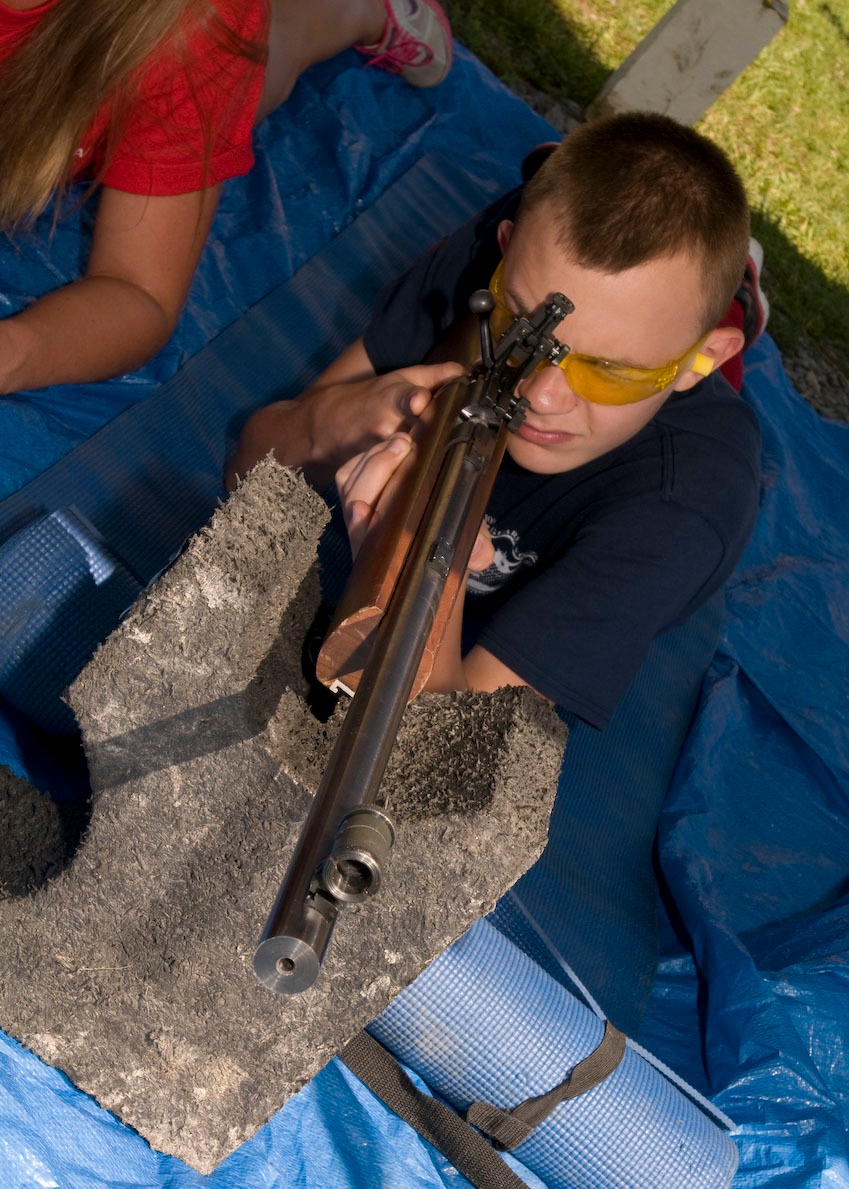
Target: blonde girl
point(153, 102)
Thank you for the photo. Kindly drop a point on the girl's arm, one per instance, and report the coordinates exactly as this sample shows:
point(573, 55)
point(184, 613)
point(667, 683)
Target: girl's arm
point(143, 257)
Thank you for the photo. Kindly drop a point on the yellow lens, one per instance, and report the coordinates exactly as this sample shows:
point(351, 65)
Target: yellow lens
point(602, 385)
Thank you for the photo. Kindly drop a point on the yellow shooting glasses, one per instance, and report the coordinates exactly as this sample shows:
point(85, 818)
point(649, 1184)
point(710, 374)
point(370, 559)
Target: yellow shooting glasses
point(600, 381)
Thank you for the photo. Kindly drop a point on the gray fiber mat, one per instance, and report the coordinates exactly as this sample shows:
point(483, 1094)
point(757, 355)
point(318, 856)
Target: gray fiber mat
point(131, 970)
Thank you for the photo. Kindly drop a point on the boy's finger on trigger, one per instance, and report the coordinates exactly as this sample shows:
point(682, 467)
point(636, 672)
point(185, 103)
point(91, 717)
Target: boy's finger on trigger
point(417, 401)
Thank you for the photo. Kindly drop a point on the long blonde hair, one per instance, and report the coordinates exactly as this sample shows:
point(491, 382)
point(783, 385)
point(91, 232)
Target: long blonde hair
point(82, 54)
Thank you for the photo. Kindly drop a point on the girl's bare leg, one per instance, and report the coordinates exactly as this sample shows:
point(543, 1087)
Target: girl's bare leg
point(303, 32)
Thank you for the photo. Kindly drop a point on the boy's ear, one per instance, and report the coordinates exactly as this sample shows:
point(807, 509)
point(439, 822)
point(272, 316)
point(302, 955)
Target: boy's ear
point(505, 231)
point(720, 344)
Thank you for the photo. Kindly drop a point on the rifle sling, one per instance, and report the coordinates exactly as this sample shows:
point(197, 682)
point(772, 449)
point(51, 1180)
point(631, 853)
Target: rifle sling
point(458, 1139)
point(438, 1124)
point(510, 1128)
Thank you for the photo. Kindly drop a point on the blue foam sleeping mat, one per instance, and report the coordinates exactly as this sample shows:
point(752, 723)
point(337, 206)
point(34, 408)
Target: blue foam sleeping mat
point(103, 483)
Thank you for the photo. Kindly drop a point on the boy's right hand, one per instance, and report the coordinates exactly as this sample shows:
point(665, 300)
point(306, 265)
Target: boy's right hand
point(348, 410)
point(357, 414)
point(348, 418)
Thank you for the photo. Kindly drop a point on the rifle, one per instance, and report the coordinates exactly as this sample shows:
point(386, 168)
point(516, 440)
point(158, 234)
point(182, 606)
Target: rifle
point(381, 644)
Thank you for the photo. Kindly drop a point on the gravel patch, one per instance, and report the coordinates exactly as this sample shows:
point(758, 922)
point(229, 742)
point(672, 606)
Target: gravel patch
point(816, 379)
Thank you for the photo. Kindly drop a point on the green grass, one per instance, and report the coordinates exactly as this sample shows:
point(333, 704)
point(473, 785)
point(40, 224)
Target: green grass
point(784, 122)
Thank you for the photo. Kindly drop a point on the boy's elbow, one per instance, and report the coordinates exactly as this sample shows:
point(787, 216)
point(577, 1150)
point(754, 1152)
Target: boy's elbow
point(486, 673)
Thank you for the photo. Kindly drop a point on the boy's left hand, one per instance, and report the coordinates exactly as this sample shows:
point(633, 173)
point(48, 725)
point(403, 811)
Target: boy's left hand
point(361, 482)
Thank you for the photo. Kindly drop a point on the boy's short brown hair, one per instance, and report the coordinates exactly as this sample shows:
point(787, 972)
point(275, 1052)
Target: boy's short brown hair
point(629, 188)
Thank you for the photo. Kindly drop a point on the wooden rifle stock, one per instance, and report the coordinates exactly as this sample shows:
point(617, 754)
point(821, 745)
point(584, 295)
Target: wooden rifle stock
point(399, 518)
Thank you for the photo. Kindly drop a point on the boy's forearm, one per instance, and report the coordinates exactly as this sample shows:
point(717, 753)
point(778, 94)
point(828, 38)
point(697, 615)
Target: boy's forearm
point(477, 670)
point(97, 328)
point(299, 432)
point(347, 410)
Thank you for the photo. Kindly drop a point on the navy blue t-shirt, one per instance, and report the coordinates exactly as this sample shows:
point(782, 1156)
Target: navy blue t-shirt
point(591, 564)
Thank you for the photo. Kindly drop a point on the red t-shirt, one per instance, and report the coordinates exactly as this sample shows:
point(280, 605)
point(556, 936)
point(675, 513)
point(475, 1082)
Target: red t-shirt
point(191, 123)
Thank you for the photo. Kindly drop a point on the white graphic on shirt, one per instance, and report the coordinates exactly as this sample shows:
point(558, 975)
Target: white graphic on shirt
point(509, 558)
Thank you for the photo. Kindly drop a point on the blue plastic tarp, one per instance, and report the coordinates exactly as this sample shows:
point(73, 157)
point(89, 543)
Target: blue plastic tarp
point(753, 844)
point(755, 836)
point(754, 840)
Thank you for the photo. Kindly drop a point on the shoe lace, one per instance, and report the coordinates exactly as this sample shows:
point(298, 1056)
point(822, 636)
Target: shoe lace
point(403, 50)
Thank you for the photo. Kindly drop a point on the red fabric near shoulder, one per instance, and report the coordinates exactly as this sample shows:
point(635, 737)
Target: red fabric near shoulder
point(16, 25)
point(191, 123)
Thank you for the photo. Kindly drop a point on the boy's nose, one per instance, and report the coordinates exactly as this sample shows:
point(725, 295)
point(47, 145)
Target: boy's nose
point(548, 391)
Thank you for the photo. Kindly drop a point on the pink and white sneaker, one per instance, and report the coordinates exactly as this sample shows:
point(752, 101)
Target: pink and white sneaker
point(751, 296)
point(749, 312)
point(416, 42)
